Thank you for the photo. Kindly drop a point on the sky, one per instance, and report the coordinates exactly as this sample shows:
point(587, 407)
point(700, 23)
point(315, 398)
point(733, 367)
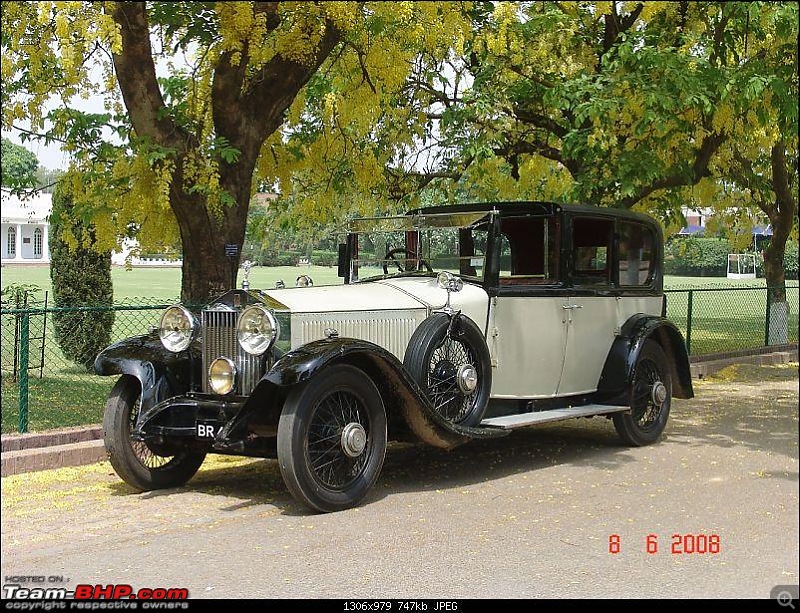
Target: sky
point(50, 156)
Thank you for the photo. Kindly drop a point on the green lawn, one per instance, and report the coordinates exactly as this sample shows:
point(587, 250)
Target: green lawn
point(165, 283)
point(61, 399)
point(721, 321)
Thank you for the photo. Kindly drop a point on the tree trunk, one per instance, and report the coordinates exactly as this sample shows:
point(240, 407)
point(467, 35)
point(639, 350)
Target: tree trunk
point(774, 269)
point(207, 270)
point(244, 113)
point(781, 216)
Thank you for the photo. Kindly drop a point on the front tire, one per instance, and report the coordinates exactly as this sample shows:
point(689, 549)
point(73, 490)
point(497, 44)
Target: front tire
point(136, 463)
point(332, 439)
point(649, 397)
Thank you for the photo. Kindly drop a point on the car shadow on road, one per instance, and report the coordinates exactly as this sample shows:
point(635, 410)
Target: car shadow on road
point(759, 418)
point(419, 468)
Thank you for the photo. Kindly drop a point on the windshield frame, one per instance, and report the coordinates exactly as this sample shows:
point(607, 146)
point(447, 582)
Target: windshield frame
point(416, 223)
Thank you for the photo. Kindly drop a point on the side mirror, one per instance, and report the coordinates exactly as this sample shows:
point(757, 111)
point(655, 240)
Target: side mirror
point(342, 267)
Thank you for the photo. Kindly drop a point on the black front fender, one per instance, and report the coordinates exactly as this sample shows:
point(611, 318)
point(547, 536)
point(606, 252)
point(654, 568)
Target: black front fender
point(618, 370)
point(160, 372)
point(399, 391)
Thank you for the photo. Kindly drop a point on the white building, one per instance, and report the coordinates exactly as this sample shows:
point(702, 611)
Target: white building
point(25, 228)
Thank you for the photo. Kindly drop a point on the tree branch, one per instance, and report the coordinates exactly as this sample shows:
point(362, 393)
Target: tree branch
point(136, 75)
point(540, 121)
point(698, 170)
point(277, 85)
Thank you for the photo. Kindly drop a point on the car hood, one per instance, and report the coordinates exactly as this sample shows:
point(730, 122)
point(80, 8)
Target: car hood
point(400, 293)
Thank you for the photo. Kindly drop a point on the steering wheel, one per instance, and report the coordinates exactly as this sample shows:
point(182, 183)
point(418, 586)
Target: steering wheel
point(410, 255)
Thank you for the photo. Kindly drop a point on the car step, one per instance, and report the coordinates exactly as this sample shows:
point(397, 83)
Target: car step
point(540, 417)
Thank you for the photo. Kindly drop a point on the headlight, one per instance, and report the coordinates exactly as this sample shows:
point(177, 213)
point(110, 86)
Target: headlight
point(222, 376)
point(176, 328)
point(304, 281)
point(257, 329)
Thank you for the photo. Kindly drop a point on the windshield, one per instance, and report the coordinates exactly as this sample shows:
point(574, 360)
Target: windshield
point(420, 245)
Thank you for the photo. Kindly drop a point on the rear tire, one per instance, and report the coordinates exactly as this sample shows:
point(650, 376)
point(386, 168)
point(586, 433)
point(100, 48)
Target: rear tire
point(137, 464)
point(651, 380)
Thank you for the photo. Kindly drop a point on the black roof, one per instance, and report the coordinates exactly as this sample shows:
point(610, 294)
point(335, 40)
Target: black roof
point(535, 207)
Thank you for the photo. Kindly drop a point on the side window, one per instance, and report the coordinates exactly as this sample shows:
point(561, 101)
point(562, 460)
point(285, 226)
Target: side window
point(505, 257)
point(635, 254)
point(528, 250)
point(591, 248)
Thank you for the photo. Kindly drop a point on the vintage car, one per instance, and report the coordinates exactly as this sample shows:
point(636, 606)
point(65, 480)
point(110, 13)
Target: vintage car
point(453, 323)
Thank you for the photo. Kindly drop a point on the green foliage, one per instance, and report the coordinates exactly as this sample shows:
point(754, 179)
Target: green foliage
point(697, 257)
point(790, 261)
point(19, 166)
point(324, 258)
point(80, 276)
point(18, 295)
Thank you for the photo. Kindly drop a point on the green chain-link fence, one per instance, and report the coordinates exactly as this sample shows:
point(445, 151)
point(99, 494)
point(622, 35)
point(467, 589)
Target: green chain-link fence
point(716, 320)
point(42, 389)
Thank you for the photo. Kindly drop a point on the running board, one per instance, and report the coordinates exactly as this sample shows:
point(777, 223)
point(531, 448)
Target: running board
point(540, 417)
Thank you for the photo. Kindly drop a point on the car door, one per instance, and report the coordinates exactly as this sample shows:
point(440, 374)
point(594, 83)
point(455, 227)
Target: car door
point(590, 312)
point(526, 333)
point(526, 339)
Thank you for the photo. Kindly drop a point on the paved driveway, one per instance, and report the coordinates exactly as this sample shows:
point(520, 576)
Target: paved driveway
point(529, 516)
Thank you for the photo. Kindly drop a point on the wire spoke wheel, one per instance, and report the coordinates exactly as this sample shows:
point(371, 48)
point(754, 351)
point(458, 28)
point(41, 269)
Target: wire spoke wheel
point(445, 394)
point(334, 458)
point(448, 357)
point(650, 397)
point(332, 438)
point(141, 465)
point(645, 409)
point(146, 456)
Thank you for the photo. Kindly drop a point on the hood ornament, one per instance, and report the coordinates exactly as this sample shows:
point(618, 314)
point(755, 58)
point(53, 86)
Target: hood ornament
point(246, 266)
point(451, 283)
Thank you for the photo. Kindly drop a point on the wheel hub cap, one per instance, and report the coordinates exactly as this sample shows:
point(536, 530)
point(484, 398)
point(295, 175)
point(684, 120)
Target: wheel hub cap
point(467, 379)
point(354, 439)
point(659, 393)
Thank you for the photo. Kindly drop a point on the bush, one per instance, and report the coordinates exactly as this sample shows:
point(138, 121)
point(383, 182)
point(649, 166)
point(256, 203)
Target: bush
point(324, 258)
point(697, 257)
point(80, 277)
point(790, 262)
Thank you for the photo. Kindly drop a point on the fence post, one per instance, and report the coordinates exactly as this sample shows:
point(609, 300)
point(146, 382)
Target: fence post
point(766, 319)
point(689, 322)
point(23, 372)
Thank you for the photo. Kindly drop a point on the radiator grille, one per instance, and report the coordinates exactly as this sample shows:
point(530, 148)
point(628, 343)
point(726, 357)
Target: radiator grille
point(219, 340)
point(392, 333)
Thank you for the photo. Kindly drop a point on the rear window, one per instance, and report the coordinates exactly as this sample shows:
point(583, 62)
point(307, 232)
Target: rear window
point(591, 250)
point(635, 254)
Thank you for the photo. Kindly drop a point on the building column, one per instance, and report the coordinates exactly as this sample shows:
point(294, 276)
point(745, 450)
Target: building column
point(45, 242)
point(18, 252)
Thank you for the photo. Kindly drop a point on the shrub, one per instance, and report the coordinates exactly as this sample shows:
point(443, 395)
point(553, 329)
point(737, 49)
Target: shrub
point(324, 258)
point(697, 257)
point(790, 262)
point(80, 277)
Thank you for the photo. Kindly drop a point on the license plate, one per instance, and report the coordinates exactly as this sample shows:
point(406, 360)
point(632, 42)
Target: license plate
point(205, 429)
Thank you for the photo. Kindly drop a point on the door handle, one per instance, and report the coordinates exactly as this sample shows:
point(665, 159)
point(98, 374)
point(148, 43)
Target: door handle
point(569, 307)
